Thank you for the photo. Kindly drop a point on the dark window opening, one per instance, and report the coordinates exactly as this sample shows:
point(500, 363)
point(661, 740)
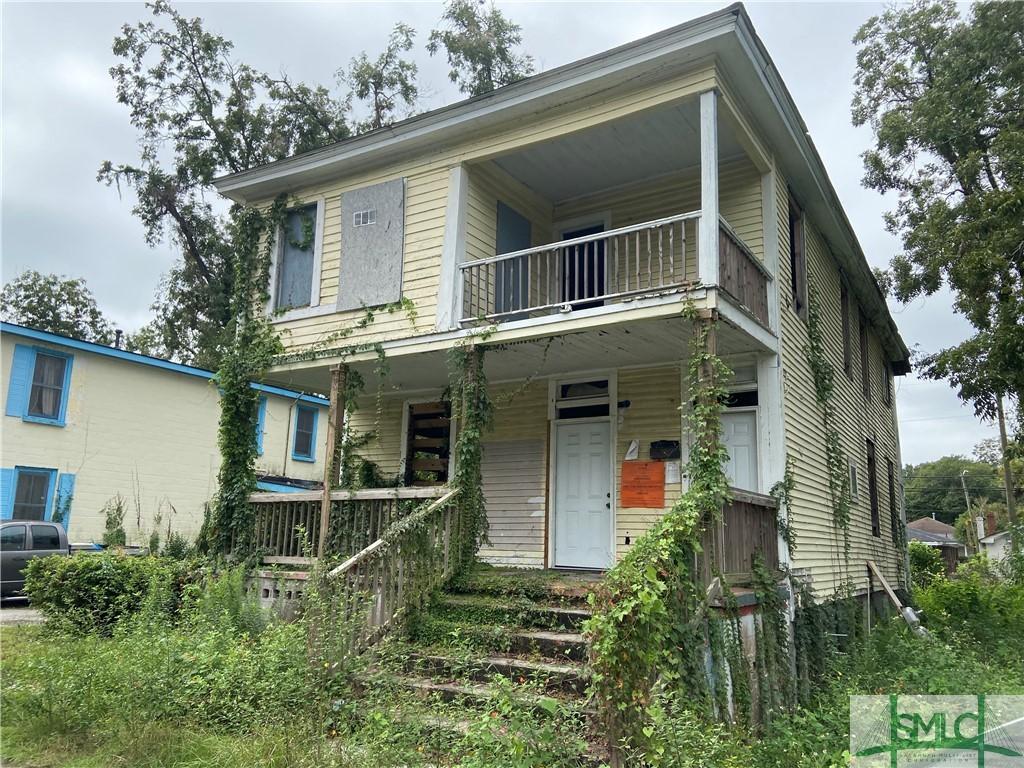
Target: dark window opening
point(583, 411)
point(305, 429)
point(31, 494)
point(797, 259)
point(428, 443)
point(746, 399)
point(876, 523)
point(47, 393)
point(886, 384)
point(583, 269)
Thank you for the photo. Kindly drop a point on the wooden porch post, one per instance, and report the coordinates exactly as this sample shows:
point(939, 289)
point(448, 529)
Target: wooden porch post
point(332, 455)
point(707, 240)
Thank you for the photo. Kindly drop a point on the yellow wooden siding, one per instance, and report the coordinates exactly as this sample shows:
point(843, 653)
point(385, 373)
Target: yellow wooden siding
point(653, 414)
point(382, 418)
point(819, 541)
point(426, 200)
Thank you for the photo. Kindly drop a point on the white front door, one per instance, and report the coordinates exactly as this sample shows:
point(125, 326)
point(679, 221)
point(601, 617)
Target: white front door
point(739, 434)
point(583, 509)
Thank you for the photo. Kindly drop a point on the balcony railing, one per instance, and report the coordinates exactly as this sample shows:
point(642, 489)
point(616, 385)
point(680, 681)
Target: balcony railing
point(741, 274)
point(748, 529)
point(582, 272)
point(287, 525)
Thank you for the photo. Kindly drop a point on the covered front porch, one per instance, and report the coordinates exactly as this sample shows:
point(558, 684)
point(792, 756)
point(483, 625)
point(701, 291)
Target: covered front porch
point(586, 451)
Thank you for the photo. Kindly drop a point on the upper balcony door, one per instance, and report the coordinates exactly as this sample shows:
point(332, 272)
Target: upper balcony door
point(583, 269)
point(511, 279)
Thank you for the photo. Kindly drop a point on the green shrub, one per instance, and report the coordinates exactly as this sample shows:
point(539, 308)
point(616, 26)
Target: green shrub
point(925, 564)
point(92, 592)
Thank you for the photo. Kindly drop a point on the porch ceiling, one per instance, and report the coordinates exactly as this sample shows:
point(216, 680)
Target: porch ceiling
point(651, 342)
point(611, 154)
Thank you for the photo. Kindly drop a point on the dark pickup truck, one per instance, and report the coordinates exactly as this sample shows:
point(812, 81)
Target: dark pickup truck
point(22, 540)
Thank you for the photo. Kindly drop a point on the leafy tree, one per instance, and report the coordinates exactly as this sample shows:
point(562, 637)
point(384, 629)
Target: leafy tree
point(934, 487)
point(54, 303)
point(480, 44)
point(385, 82)
point(943, 96)
point(201, 114)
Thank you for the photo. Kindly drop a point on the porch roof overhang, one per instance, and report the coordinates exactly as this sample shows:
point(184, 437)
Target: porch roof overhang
point(726, 37)
point(648, 333)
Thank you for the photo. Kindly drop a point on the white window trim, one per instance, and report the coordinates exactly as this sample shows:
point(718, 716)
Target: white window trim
point(314, 307)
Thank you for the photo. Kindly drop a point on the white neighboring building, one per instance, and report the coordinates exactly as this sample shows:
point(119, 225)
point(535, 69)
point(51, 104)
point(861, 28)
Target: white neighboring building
point(85, 423)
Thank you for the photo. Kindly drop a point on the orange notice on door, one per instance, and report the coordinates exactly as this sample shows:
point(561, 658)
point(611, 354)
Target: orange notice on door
point(643, 484)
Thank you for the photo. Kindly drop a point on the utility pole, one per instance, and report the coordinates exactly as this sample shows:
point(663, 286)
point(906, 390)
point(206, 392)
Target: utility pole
point(963, 482)
point(1011, 506)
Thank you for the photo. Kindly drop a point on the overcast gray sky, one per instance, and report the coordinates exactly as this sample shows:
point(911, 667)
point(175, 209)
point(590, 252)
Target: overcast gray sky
point(61, 119)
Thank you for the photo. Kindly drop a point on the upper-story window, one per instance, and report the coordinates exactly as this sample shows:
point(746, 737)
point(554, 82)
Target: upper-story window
point(844, 306)
point(296, 259)
point(261, 423)
point(865, 358)
point(797, 259)
point(304, 441)
point(39, 384)
point(886, 383)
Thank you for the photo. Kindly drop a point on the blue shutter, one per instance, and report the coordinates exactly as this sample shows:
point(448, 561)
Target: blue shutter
point(261, 419)
point(65, 495)
point(7, 480)
point(21, 380)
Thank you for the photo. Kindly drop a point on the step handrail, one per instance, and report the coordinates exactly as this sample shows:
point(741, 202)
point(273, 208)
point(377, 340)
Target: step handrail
point(392, 534)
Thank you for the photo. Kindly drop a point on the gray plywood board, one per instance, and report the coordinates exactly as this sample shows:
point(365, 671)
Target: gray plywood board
point(372, 242)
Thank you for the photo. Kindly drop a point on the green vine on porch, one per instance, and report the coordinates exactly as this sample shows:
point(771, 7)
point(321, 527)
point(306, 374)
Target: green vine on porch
point(473, 411)
point(782, 492)
point(823, 374)
point(649, 629)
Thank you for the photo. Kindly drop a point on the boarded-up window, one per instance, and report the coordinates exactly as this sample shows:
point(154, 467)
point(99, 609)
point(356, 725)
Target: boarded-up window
point(428, 444)
point(295, 259)
point(865, 358)
point(844, 305)
point(797, 259)
point(372, 242)
point(512, 234)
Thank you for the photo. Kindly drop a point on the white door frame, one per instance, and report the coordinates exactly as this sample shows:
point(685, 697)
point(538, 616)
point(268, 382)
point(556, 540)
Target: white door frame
point(613, 431)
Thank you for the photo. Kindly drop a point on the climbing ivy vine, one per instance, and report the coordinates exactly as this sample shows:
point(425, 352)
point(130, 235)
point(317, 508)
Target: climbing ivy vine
point(823, 374)
point(228, 525)
point(473, 412)
point(649, 628)
point(782, 492)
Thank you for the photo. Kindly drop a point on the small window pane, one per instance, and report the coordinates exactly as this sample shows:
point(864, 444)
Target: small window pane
point(304, 424)
point(45, 537)
point(295, 270)
point(47, 386)
point(741, 399)
point(12, 538)
point(583, 389)
point(30, 495)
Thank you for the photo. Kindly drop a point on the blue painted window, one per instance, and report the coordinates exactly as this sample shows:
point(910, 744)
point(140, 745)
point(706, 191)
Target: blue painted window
point(40, 380)
point(261, 421)
point(295, 260)
point(33, 493)
point(304, 441)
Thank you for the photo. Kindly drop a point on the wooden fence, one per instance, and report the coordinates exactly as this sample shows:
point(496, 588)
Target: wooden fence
point(748, 528)
point(287, 526)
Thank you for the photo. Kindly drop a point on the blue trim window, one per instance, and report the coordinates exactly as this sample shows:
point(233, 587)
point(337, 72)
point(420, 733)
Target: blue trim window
point(261, 423)
point(40, 381)
point(304, 441)
point(33, 493)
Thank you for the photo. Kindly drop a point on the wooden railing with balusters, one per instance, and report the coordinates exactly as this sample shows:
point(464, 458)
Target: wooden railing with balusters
point(287, 525)
point(644, 258)
point(747, 529)
point(379, 585)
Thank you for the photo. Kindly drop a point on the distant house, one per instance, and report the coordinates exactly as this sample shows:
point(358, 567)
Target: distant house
point(935, 533)
point(85, 424)
point(997, 545)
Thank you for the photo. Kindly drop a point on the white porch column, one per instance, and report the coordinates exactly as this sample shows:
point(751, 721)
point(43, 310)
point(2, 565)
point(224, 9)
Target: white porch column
point(453, 253)
point(707, 241)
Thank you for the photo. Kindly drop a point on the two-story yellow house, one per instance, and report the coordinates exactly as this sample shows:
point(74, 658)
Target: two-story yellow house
point(564, 222)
